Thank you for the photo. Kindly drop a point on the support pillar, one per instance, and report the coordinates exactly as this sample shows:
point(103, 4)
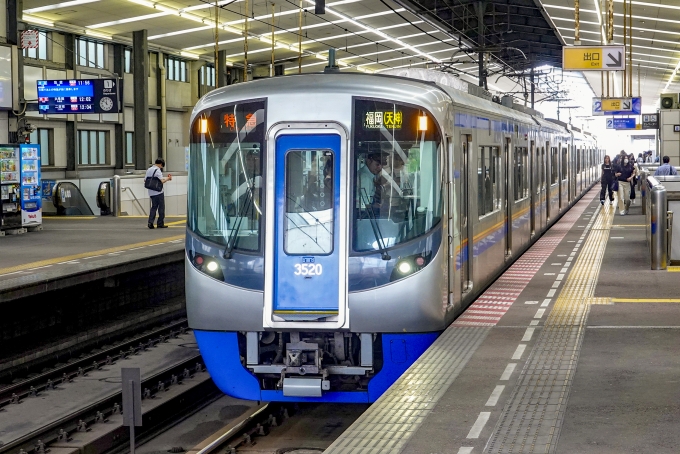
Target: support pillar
point(481, 6)
point(161, 84)
point(221, 70)
point(140, 62)
point(533, 86)
point(71, 127)
point(120, 142)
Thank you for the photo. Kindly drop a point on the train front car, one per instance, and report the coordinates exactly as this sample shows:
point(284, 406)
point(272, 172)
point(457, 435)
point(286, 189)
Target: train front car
point(315, 266)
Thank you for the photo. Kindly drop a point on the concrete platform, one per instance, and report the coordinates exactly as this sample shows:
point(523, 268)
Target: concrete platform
point(69, 249)
point(583, 358)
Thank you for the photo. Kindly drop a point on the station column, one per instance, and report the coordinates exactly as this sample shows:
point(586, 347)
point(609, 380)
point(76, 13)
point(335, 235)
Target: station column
point(221, 69)
point(119, 69)
point(70, 62)
point(140, 63)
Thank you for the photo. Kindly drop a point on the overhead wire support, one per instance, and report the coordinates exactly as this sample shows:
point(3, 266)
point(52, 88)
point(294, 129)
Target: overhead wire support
point(217, 41)
point(300, 40)
point(272, 71)
point(245, 44)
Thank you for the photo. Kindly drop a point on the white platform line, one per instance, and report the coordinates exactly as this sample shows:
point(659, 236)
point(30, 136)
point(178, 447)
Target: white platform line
point(479, 424)
point(546, 302)
point(495, 395)
point(551, 293)
point(465, 450)
point(509, 369)
point(519, 351)
point(539, 313)
point(528, 334)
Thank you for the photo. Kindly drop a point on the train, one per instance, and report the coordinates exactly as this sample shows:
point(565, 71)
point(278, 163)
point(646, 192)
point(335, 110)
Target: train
point(338, 222)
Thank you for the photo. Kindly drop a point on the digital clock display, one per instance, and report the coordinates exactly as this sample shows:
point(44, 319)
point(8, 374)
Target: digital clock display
point(92, 96)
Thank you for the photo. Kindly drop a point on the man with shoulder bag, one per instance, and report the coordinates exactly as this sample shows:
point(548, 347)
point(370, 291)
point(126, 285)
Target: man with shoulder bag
point(154, 182)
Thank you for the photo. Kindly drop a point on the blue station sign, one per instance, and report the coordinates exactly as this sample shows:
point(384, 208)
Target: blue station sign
point(85, 96)
point(621, 123)
point(635, 107)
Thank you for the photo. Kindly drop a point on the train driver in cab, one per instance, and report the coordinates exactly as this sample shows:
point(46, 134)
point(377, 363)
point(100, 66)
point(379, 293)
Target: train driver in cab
point(370, 183)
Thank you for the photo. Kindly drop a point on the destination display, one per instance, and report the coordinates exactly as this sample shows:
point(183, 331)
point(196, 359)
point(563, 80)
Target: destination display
point(89, 96)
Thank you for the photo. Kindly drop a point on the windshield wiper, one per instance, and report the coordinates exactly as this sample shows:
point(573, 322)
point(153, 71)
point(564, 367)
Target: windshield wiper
point(374, 226)
point(248, 202)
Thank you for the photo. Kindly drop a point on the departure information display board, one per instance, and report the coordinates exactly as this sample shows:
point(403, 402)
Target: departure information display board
point(88, 96)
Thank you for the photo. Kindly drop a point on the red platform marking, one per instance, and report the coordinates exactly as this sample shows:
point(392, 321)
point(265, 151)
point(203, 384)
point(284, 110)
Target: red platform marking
point(488, 309)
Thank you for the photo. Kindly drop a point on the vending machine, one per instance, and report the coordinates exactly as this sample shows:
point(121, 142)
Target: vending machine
point(10, 194)
point(31, 190)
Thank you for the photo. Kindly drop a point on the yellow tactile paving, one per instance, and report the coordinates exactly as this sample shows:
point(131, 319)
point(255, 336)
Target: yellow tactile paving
point(82, 255)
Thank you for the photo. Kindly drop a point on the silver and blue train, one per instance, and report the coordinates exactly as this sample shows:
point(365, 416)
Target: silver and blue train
point(337, 223)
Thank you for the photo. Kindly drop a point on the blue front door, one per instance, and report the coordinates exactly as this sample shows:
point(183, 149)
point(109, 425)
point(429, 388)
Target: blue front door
point(306, 280)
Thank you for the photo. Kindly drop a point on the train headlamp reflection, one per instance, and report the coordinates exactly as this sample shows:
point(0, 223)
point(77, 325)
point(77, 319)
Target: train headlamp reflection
point(211, 266)
point(404, 267)
point(203, 125)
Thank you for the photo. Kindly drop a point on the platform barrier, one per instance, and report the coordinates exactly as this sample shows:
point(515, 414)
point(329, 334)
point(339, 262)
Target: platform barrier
point(661, 201)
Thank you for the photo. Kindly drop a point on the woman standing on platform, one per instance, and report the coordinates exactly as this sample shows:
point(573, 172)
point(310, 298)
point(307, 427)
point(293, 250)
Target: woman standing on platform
point(607, 180)
point(624, 173)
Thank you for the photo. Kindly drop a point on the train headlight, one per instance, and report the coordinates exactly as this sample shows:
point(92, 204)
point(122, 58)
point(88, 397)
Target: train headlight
point(404, 267)
point(212, 266)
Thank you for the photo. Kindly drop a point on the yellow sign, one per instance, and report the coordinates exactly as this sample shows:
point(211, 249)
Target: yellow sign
point(600, 58)
point(617, 104)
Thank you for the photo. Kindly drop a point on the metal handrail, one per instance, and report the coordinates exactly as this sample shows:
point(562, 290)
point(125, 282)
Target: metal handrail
point(135, 197)
point(669, 231)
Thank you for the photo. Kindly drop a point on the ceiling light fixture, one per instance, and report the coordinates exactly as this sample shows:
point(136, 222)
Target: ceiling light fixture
point(37, 20)
point(58, 6)
point(98, 35)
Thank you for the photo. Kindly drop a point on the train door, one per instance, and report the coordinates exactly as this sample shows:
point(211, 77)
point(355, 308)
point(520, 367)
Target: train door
point(558, 172)
point(545, 166)
point(465, 223)
point(509, 181)
point(454, 235)
point(307, 222)
point(532, 188)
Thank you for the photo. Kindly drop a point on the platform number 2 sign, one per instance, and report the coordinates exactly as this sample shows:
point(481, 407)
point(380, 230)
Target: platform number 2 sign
point(610, 123)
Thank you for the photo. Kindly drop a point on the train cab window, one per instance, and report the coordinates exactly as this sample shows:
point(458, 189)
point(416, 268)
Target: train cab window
point(225, 188)
point(564, 163)
point(488, 180)
point(310, 208)
point(397, 190)
point(553, 165)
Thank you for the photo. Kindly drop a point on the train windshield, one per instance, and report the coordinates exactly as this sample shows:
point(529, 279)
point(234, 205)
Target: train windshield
point(397, 193)
point(225, 181)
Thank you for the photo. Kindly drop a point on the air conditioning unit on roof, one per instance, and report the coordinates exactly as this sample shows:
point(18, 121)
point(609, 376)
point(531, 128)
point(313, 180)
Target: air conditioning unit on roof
point(669, 101)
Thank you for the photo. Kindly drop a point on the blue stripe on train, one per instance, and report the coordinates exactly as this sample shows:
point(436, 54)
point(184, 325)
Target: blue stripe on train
point(221, 355)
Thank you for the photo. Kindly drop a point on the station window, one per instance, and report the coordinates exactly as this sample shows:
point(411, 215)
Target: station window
point(488, 180)
point(90, 53)
point(175, 69)
point(521, 174)
point(564, 163)
point(92, 147)
point(553, 165)
point(129, 147)
point(39, 52)
point(44, 138)
point(128, 60)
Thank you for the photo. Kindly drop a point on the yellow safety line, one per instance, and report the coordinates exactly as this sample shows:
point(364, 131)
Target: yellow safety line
point(82, 255)
point(69, 218)
point(645, 300)
point(629, 225)
point(176, 222)
point(673, 269)
point(135, 216)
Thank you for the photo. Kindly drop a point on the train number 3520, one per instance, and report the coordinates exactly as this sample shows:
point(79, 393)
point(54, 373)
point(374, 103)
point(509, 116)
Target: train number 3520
point(308, 269)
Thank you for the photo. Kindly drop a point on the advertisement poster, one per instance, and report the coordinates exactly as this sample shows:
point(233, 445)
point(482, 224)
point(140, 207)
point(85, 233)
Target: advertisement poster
point(31, 189)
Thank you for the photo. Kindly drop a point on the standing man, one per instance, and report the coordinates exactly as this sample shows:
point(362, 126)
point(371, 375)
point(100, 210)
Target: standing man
point(666, 168)
point(157, 197)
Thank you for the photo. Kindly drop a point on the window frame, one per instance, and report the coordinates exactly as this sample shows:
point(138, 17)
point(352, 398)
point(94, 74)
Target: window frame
point(93, 136)
point(495, 167)
point(89, 47)
point(45, 150)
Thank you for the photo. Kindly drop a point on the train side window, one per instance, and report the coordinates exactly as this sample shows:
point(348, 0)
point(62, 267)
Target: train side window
point(521, 174)
point(564, 163)
point(553, 165)
point(488, 180)
point(525, 166)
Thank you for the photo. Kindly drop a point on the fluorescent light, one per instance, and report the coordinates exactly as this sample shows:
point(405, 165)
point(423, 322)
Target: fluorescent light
point(189, 55)
point(58, 5)
point(37, 20)
point(97, 34)
point(128, 20)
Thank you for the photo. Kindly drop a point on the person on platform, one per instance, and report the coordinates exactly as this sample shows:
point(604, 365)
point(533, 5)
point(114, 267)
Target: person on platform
point(666, 168)
point(607, 180)
point(157, 197)
point(633, 182)
point(624, 171)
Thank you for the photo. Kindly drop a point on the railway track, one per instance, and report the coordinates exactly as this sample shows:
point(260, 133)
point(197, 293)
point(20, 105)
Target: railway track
point(67, 372)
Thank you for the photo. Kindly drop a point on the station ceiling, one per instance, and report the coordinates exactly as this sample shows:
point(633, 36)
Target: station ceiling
point(374, 35)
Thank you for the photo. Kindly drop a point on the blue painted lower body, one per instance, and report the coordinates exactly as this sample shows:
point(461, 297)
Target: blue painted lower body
point(221, 355)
